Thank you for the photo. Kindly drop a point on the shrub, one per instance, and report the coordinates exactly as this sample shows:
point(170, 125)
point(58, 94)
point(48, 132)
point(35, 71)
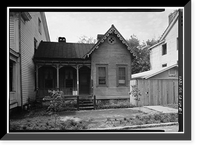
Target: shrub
point(56, 101)
point(73, 125)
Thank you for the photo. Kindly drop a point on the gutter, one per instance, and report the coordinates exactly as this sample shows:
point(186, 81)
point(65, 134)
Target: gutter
point(20, 61)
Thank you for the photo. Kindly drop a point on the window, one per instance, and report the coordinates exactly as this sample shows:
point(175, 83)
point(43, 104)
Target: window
point(102, 75)
point(164, 49)
point(48, 78)
point(172, 72)
point(164, 65)
point(111, 40)
point(39, 26)
point(35, 45)
point(121, 75)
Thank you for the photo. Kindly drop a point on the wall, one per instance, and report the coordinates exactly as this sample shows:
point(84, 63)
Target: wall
point(111, 54)
point(156, 57)
point(29, 31)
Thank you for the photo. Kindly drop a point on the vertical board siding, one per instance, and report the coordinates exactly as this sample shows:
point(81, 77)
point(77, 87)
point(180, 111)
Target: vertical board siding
point(158, 92)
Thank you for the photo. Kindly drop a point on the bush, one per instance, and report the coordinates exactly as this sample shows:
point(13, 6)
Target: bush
point(73, 125)
point(56, 101)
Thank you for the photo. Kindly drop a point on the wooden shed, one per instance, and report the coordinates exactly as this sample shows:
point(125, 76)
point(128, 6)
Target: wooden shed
point(155, 87)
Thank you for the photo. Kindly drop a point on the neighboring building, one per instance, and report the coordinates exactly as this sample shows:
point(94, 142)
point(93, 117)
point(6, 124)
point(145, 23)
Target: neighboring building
point(26, 31)
point(156, 87)
point(159, 86)
point(102, 69)
point(165, 52)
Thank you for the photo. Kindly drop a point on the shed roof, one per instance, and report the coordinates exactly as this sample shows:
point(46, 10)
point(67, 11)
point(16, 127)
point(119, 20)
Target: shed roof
point(151, 73)
point(60, 50)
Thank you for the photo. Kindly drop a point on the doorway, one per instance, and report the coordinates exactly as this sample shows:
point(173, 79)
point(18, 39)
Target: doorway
point(84, 79)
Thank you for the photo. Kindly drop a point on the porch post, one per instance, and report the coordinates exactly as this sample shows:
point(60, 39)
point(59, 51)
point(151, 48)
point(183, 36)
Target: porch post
point(57, 69)
point(77, 75)
point(36, 77)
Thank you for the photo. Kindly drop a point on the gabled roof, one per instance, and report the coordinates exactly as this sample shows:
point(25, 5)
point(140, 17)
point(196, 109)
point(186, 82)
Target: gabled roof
point(167, 30)
point(105, 36)
point(60, 50)
point(151, 73)
point(170, 26)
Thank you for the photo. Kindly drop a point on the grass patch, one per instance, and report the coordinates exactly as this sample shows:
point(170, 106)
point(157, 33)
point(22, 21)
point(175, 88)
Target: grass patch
point(114, 104)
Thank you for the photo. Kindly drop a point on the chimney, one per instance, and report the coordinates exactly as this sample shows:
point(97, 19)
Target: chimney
point(61, 39)
point(172, 15)
point(99, 36)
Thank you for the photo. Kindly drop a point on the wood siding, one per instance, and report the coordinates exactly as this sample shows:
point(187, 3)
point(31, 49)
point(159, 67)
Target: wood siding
point(156, 57)
point(157, 92)
point(161, 89)
point(111, 55)
point(29, 31)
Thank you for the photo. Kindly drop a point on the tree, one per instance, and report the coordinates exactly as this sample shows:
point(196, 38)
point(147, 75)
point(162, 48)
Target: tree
point(142, 61)
point(85, 39)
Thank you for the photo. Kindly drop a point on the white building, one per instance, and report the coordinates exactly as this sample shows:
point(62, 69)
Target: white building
point(165, 52)
point(26, 31)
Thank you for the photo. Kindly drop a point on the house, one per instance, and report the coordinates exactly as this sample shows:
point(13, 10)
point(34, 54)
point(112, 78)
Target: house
point(26, 31)
point(160, 85)
point(102, 69)
point(165, 52)
point(155, 87)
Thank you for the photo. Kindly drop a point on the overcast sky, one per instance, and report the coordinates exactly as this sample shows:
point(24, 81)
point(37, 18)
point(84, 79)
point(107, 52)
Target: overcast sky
point(73, 25)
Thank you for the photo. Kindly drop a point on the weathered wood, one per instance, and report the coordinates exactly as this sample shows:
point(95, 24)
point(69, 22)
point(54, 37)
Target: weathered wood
point(111, 55)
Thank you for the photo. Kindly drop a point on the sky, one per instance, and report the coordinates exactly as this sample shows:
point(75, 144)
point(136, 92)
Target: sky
point(73, 25)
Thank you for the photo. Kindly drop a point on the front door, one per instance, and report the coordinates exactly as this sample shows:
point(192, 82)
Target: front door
point(84, 79)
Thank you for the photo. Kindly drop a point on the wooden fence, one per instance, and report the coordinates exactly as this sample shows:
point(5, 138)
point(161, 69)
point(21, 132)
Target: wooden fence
point(157, 92)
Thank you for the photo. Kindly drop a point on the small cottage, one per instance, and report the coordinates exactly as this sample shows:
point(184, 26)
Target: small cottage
point(102, 69)
point(155, 87)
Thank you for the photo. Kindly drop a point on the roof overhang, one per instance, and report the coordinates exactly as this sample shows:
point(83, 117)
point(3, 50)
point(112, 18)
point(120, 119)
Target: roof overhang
point(151, 73)
point(105, 36)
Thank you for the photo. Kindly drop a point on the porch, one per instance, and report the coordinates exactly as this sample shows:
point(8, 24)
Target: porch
point(72, 79)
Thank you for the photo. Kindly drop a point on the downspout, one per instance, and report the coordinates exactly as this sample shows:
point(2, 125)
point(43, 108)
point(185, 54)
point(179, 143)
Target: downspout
point(20, 61)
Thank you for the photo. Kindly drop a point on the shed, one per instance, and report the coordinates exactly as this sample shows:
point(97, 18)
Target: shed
point(156, 87)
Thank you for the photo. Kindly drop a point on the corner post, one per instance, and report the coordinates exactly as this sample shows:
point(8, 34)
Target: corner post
point(57, 70)
point(77, 75)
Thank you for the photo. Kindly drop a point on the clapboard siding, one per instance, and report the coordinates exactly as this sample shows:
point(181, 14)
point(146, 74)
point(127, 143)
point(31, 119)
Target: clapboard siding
point(111, 55)
point(29, 31)
point(156, 57)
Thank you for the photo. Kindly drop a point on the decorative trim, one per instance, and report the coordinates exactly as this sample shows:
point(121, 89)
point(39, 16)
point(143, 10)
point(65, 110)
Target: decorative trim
point(111, 30)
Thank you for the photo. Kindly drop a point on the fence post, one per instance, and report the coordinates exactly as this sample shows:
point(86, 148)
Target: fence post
point(77, 102)
point(94, 101)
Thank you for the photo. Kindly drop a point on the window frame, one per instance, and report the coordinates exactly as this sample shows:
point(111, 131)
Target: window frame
point(164, 51)
point(126, 75)
point(164, 65)
point(97, 75)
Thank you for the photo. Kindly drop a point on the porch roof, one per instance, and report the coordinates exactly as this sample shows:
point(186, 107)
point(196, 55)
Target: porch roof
point(60, 50)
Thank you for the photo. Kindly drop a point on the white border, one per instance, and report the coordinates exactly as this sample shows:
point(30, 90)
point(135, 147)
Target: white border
point(83, 9)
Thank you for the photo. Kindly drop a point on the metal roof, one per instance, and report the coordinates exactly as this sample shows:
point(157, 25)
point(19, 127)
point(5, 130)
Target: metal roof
point(60, 50)
point(151, 73)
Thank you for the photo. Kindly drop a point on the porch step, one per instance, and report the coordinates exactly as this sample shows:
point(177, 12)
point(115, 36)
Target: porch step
point(86, 103)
